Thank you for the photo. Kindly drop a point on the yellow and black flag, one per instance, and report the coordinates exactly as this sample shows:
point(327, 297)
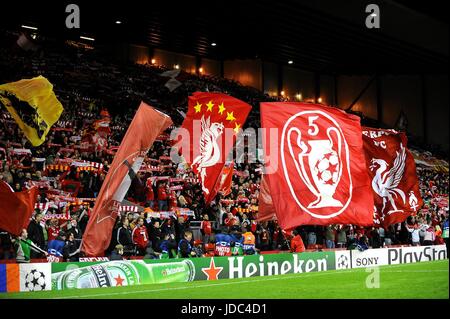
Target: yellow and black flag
point(33, 105)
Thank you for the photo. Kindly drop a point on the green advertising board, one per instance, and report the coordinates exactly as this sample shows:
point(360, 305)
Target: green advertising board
point(140, 272)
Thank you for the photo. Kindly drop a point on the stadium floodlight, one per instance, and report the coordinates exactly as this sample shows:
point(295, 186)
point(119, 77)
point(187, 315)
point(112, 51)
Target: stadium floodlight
point(290, 62)
point(86, 38)
point(213, 44)
point(29, 27)
point(118, 22)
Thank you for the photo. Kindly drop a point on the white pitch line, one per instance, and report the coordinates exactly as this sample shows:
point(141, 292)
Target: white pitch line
point(263, 278)
point(199, 286)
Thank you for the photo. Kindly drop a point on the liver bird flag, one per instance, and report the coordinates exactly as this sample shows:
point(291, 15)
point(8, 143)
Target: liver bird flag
point(211, 125)
point(392, 172)
point(145, 127)
point(321, 176)
point(33, 105)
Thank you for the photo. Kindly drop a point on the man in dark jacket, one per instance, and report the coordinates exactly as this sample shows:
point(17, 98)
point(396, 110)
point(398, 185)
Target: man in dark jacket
point(75, 230)
point(36, 235)
point(70, 251)
point(124, 237)
point(155, 234)
point(185, 246)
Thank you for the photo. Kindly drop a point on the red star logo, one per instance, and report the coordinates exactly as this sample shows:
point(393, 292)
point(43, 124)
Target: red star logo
point(119, 280)
point(333, 168)
point(212, 272)
point(328, 155)
point(319, 175)
point(329, 182)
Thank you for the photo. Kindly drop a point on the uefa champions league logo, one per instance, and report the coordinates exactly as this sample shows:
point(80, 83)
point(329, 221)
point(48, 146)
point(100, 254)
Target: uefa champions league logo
point(342, 262)
point(317, 147)
point(35, 280)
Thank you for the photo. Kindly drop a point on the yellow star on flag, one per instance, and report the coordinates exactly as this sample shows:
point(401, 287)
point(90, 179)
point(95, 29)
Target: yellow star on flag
point(230, 116)
point(237, 127)
point(221, 108)
point(198, 108)
point(209, 105)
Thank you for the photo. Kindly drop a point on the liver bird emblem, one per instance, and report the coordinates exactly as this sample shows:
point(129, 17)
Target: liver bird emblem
point(209, 149)
point(385, 183)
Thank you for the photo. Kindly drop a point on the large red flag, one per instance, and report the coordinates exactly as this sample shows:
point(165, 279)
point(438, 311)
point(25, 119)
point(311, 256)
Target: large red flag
point(146, 125)
point(16, 208)
point(393, 174)
point(213, 120)
point(321, 176)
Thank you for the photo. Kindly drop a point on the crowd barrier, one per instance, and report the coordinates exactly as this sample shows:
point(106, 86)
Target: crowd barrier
point(72, 275)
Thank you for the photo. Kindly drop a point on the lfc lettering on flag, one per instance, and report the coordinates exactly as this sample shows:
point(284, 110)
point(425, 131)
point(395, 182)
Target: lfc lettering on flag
point(208, 134)
point(147, 124)
point(321, 177)
point(393, 176)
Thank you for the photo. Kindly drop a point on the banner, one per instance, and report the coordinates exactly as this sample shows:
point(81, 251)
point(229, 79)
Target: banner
point(16, 208)
point(348, 259)
point(393, 174)
point(33, 105)
point(141, 272)
point(319, 176)
point(213, 120)
point(146, 125)
point(97, 272)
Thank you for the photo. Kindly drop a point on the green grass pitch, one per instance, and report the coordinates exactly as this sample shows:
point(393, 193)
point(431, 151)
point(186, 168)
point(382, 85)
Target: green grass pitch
point(417, 280)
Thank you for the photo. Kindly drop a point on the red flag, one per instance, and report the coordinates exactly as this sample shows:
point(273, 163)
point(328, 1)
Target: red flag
point(321, 176)
point(16, 208)
point(266, 210)
point(392, 171)
point(213, 121)
point(226, 179)
point(146, 125)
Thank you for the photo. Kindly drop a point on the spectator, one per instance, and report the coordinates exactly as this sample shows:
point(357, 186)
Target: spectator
point(206, 228)
point(117, 253)
point(36, 235)
point(249, 243)
point(185, 247)
point(24, 247)
point(71, 252)
point(330, 236)
point(140, 237)
point(430, 235)
point(342, 237)
point(56, 246)
point(162, 197)
point(124, 237)
point(168, 246)
point(312, 238)
point(297, 245)
point(74, 229)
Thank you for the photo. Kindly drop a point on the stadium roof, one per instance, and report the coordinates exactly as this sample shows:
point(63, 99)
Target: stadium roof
point(325, 36)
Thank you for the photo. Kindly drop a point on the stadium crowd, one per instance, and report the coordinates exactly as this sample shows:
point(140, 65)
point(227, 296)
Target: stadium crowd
point(172, 218)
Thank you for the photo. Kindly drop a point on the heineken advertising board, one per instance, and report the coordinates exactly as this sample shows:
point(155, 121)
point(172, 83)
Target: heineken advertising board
point(139, 272)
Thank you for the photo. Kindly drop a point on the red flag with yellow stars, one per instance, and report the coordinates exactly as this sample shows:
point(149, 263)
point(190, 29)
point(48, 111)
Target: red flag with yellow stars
point(213, 121)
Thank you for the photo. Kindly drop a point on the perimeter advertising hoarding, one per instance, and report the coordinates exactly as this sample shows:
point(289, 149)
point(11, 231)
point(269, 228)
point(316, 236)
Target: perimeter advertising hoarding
point(346, 259)
point(135, 272)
